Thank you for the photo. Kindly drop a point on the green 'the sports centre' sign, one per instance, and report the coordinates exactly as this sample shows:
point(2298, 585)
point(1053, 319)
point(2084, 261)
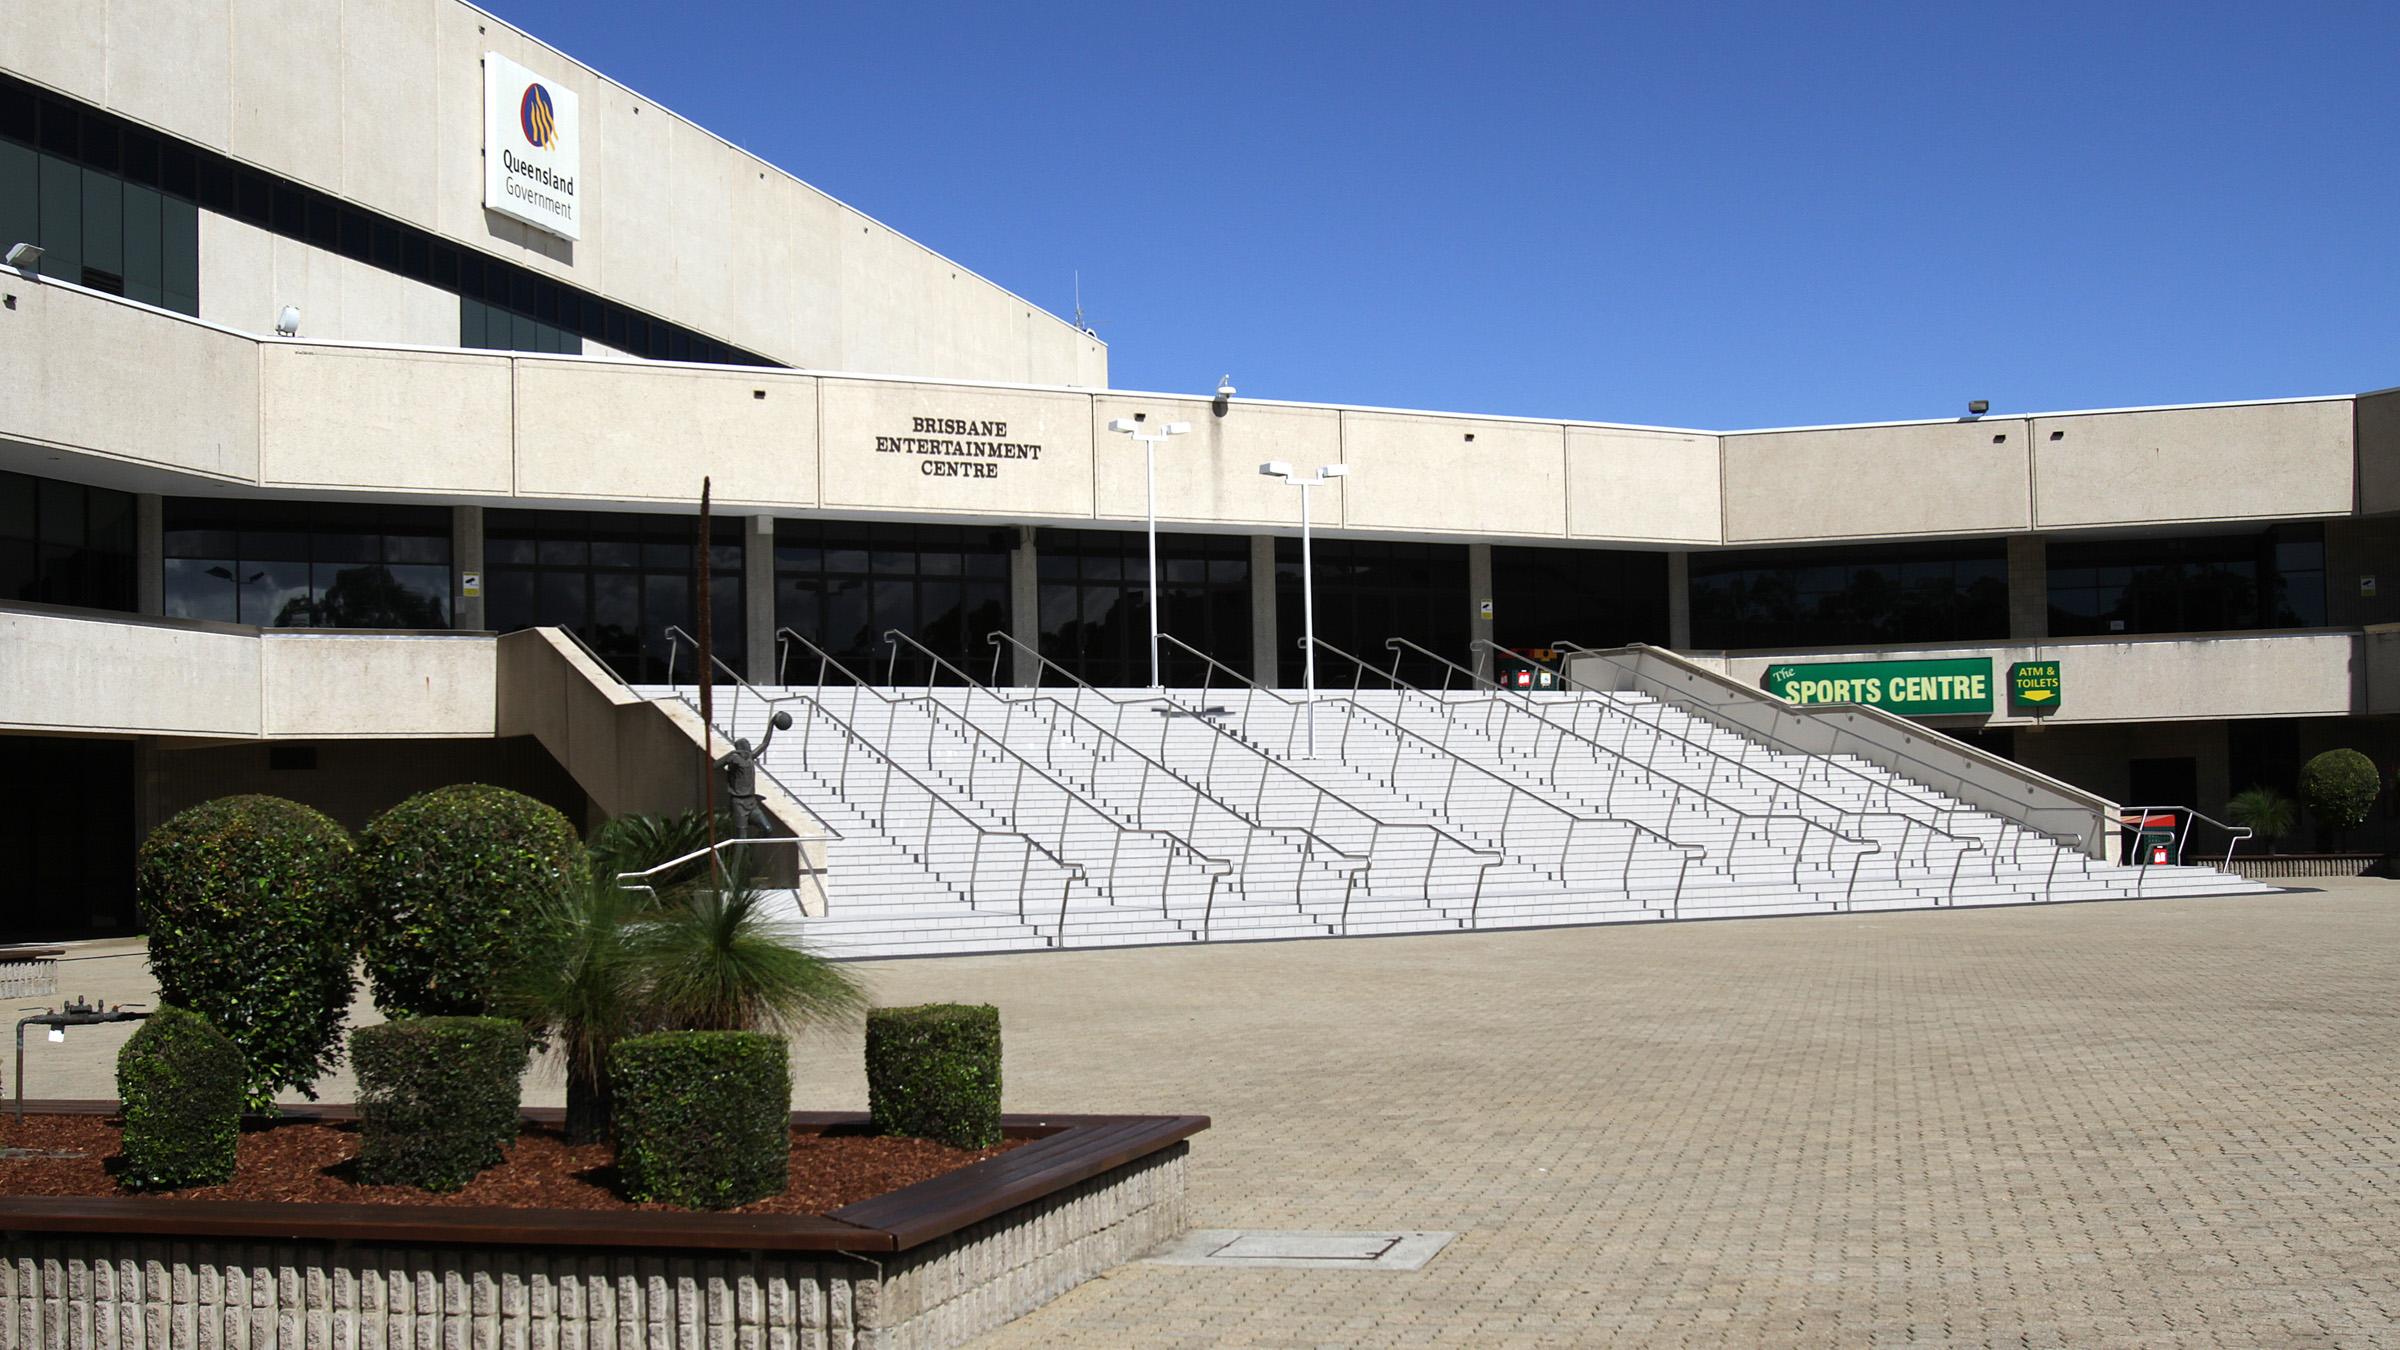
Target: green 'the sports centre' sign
point(2033, 686)
point(1909, 688)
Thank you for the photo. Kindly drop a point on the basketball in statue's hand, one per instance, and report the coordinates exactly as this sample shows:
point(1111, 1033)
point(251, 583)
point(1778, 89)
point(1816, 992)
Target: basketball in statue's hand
point(783, 721)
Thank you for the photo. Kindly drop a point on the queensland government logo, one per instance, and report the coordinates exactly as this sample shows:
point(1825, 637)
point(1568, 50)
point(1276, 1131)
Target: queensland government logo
point(538, 118)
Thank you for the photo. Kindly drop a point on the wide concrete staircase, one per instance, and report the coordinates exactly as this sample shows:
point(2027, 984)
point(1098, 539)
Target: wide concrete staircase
point(975, 819)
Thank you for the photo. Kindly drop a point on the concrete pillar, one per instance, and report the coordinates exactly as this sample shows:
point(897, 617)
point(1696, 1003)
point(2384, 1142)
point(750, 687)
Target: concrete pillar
point(758, 601)
point(149, 554)
point(1679, 601)
point(2028, 587)
point(1264, 654)
point(1479, 607)
point(1025, 608)
point(466, 560)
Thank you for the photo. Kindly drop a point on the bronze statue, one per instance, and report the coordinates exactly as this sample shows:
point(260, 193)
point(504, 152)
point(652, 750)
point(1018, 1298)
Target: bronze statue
point(740, 767)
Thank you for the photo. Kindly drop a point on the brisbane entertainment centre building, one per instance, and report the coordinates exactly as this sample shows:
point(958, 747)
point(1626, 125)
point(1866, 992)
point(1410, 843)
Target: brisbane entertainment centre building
point(363, 336)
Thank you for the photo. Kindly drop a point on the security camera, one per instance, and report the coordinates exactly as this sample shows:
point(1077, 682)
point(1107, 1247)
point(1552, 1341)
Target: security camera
point(287, 323)
point(1224, 386)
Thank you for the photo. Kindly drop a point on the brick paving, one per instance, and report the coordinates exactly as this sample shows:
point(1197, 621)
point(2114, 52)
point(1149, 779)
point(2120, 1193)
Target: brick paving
point(2158, 1123)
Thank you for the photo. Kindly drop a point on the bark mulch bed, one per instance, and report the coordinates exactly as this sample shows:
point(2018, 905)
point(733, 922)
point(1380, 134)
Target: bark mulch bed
point(310, 1161)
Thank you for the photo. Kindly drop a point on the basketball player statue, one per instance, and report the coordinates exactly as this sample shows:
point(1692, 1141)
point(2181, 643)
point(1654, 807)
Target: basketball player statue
point(740, 767)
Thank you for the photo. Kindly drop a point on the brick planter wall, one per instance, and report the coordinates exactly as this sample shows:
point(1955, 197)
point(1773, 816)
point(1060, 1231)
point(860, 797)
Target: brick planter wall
point(2269, 867)
point(86, 1285)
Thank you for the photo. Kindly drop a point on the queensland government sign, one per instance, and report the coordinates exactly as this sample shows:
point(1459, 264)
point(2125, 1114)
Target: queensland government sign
point(1943, 688)
point(532, 148)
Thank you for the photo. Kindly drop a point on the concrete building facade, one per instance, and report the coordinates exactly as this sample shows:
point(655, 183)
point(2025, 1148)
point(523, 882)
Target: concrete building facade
point(233, 556)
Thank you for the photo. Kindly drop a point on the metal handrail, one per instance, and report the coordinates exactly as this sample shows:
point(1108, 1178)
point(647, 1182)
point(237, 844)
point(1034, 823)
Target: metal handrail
point(1867, 847)
point(1345, 861)
point(2018, 829)
point(1526, 706)
point(935, 711)
point(1567, 844)
point(2136, 817)
point(1071, 872)
point(1484, 858)
point(2014, 820)
point(1827, 758)
point(715, 853)
point(1888, 785)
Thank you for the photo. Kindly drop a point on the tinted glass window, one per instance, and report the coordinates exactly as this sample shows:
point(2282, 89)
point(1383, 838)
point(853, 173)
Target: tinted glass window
point(620, 581)
point(841, 585)
point(1843, 596)
point(307, 564)
point(65, 544)
point(1367, 591)
point(2268, 579)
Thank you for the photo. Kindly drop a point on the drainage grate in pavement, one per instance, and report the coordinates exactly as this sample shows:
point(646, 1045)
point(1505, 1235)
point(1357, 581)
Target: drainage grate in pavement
point(1301, 1250)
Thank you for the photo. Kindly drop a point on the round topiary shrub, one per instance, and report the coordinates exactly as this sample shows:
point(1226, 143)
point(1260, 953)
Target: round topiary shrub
point(450, 881)
point(437, 1098)
point(253, 925)
point(181, 1082)
point(2339, 787)
point(933, 1072)
point(703, 1118)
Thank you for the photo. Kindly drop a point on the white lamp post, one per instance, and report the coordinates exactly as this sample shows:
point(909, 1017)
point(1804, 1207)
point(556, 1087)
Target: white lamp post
point(1150, 440)
point(1308, 584)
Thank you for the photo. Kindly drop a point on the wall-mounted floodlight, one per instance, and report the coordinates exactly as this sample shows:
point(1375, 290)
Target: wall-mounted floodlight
point(287, 323)
point(1276, 468)
point(1978, 407)
point(25, 257)
point(1123, 424)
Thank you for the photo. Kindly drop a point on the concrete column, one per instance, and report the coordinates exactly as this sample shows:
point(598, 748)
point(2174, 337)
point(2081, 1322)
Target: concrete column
point(2028, 587)
point(150, 554)
point(758, 600)
point(1679, 601)
point(1025, 608)
point(1480, 601)
point(466, 556)
point(1263, 621)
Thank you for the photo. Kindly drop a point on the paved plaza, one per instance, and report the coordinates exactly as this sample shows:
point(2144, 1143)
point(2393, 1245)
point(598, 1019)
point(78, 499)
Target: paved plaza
point(2158, 1123)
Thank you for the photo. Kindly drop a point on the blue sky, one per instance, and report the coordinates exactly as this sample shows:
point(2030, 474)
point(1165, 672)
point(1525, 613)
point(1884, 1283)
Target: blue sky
point(1698, 215)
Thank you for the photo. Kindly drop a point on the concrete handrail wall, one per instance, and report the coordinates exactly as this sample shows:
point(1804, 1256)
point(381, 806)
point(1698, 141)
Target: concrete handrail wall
point(631, 754)
point(1979, 778)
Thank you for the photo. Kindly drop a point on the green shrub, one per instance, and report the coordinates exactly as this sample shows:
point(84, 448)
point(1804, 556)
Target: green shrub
point(181, 1083)
point(2269, 814)
point(703, 1118)
point(933, 1072)
point(2339, 787)
point(253, 925)
point(437, 1098)
point(449, 881)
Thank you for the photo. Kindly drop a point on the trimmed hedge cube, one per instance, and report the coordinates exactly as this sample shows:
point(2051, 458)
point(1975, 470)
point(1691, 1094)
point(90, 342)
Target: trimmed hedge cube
point(703, 1118)
point(437, 1098)
point(181, 1081)
point(933, 1072)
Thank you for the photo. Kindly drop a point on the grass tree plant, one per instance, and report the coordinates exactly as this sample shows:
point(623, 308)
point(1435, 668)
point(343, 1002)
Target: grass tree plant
point(684, 952)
